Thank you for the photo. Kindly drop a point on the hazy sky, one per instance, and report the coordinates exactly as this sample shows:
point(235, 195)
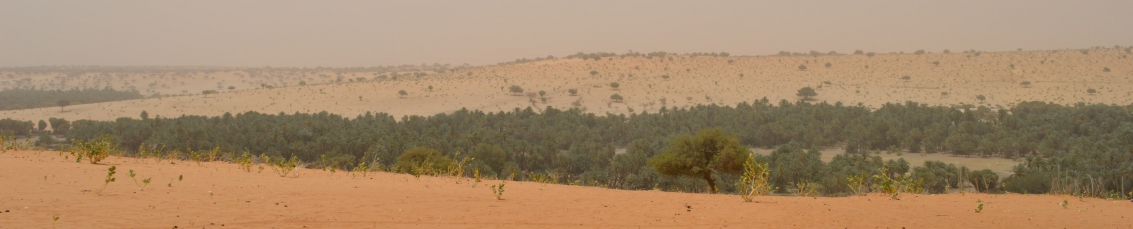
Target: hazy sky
point(370, 33)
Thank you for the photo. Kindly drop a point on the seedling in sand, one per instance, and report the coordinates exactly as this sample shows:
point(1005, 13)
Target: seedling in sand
point(141, 186)
point(109, 178)
point(498, 190)
point(979, 205)
point(54, 219)
point(1064, 203)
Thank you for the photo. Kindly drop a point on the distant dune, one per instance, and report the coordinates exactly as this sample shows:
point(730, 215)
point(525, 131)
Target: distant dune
point(1061, 76)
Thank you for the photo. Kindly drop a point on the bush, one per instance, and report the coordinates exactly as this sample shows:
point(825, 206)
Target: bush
point(421, 160)
point(94, 150)
point(44, 140)
point(1031, 183)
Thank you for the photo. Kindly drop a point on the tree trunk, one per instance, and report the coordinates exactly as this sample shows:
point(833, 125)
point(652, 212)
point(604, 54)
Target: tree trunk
point(711, 182)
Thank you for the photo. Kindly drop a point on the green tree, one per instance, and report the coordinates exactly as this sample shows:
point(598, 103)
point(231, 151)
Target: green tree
point(402, 93)
point(981, 97)
point(62, 104)
point(806, 93)
point(802, 67)
point(1091, 91)
point(542, 93)
point(870, 54)
point(231, 88)
point(828, 64)
point(616, 97)
point(573, 92)
point(1025, 84)
point(984, 180)
point(937, 63)
point(666, 77)
point(1106, 69)
point(709, 151)
point(492, 156)
point(615, 85)
point(42, 125)
point(906, 78)
point(515, 89)
point(918, 52)
point(593, 73)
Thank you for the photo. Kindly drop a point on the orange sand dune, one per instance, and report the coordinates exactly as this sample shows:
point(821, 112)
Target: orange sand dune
point(36, 185)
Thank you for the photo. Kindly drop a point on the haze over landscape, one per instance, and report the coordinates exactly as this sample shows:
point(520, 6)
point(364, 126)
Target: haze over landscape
point(378, 33)
point(578, 114)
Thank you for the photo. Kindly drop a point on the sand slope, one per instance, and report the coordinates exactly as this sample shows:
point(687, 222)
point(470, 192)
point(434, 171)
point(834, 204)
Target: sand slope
point(36, 185)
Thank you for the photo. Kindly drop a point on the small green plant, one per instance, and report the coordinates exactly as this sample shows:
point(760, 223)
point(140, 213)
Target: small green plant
point(141, 186)
point(54, 218)
point(498, 190)
point(1064, 204)
point(476, 174)
point(283, 167)
point(109, 178)
point(855, 183)
point(805, 188)
point(979, 205)
point(245, 161)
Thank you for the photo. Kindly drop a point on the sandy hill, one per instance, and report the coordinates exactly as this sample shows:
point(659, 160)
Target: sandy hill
point(40, 185)
point(1062, 76)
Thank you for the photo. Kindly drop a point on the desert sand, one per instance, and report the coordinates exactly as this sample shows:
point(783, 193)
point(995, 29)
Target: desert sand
point(38, 185)
point(1060, 76)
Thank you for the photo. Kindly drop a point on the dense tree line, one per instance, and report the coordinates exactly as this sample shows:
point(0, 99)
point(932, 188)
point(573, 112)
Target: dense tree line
point(16, 99)
point(1069, 145)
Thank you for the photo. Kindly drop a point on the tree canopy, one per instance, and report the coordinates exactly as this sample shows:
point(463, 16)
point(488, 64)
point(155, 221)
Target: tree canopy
point(806, 93)
point(709, 151)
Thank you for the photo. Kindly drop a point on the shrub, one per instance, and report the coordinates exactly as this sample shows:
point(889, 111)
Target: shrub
point(420, 161)
point(754, 181)
point(1031, 183)
point(283, 167)
point(95, 150)
point(573, 92)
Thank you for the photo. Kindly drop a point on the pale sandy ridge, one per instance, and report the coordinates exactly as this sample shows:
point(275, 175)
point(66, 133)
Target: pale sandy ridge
point(1062, 76)
point(36, 185)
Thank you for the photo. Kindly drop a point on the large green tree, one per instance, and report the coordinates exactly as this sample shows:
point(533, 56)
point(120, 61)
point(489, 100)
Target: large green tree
point(709, 151)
